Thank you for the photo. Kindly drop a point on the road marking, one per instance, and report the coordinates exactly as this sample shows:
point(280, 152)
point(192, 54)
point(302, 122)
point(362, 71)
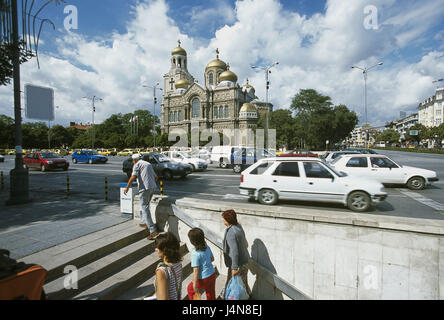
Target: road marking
point(424, 200)
point(224, 196)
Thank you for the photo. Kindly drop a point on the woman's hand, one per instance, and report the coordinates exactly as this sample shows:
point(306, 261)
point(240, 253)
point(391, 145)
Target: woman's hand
point(234, 272)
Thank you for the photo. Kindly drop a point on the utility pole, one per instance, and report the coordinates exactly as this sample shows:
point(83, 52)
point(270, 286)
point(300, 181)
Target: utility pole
point(19, 178)
point(267, 87)
point(94, 98)
point(365, 72)
point(154, 110)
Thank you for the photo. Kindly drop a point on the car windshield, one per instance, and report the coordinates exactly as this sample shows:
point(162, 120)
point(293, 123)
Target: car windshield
point(185, 155)
point(49, 155)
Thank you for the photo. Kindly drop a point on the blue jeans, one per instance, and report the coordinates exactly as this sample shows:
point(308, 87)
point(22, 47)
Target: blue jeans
point(145, 198)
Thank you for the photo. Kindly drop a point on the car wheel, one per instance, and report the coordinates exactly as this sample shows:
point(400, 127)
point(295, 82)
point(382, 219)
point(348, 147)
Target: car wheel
point(90, 161)
point(268, 196)
point(223, 164)
point(42, 168)
point(359, 201)
point(74, 161)
point(237, 168)
point(167, 174)
point(416, 183)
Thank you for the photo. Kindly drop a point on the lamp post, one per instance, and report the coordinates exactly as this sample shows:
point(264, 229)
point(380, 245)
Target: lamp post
point(365, 72)
point(267, 86)
point(154, 110)
point(94, 98)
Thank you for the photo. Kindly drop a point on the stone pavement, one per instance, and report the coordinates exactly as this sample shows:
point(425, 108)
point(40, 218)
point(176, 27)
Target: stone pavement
point(52, 219)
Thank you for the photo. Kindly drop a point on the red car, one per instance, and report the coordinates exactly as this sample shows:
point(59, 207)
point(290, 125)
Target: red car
point(45, 161)
point(300, 153)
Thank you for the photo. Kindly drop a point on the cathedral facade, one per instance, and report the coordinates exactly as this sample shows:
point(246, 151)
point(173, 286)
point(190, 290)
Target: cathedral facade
point(220, 103)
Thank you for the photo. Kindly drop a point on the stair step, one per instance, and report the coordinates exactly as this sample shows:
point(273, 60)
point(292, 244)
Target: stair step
point(100, 269)
point(122, 281)
point(81, 251)
point(146, 288)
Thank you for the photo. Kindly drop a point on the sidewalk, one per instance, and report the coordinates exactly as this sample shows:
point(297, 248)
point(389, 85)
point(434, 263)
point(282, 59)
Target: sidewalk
point(52, 219)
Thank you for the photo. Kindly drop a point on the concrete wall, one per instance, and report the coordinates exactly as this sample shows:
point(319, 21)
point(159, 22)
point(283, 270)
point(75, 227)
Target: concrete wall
point(334, 255)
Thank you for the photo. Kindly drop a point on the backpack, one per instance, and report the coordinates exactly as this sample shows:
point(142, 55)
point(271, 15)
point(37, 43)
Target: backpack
point(20, 281)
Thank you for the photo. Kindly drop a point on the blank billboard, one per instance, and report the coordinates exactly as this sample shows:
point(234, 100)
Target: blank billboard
point(39, 103)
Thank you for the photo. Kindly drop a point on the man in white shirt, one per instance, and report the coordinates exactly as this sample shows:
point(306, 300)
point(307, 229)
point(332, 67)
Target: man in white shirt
point(146, 181)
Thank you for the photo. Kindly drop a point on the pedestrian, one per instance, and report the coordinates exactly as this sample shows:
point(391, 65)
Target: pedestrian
point(204, 275)
point(168, 282)
point(235, 250)
point(146, 181)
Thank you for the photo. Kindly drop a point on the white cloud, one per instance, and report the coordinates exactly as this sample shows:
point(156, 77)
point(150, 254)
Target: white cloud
point(314, 52)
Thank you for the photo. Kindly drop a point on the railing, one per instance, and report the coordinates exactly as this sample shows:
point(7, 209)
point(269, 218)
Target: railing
point(276, 281)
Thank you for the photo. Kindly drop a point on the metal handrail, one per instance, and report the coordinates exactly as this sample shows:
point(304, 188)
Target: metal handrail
point(283, 286)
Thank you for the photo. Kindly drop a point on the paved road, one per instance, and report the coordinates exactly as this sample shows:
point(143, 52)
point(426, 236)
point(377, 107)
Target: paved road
point(222, 184)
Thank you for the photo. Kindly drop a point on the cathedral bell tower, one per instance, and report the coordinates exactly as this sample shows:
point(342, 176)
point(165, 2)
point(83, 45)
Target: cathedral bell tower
point(178, 77)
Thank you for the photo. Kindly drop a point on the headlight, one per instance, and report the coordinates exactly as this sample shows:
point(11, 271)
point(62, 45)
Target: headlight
point(49, 162)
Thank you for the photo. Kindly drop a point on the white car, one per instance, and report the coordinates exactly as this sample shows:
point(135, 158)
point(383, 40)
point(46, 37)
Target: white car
point(384, 170)
point(202, 154)
point(183, 157)
point(307, 179)
point(330, 156)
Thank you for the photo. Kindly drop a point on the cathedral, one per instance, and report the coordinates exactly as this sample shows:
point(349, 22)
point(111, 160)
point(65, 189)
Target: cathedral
point(220, 103)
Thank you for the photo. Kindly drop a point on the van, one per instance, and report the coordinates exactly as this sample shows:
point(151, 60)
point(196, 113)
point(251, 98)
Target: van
point(222, 155)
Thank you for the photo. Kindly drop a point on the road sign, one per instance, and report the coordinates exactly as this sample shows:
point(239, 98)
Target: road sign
point(414, 132)
point(39, 103)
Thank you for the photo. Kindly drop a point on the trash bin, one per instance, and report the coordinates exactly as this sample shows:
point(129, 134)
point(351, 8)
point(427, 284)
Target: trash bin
point(127, 201)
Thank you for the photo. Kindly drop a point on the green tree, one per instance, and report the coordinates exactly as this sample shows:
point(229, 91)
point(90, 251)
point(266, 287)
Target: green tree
point(6, 132)
point(390, 135)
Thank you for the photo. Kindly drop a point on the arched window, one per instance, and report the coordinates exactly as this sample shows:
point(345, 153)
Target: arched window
point(179, 63)
point(217, 79)
point(210, 78)
point(180, 115)
point(195, 105)
point(221, 112)
point(215, 112)
point(171, 116)
point(226, 112)
point(175, 116)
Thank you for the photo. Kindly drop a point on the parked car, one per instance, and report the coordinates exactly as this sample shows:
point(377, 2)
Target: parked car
point(335, 154)
point(384, 170)
point(308, 179)
point(203, 154)
point(107, 152)
point(243, 157)
point(2, 158)
point(162, 166)
point(183, 157)
point(88, 156)
point(3, 152)
point(362, 150)
point(45, 161)
point(298, 153)
point(126, 152)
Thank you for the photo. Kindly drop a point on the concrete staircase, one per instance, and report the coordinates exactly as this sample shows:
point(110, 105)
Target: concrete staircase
point(117, 263)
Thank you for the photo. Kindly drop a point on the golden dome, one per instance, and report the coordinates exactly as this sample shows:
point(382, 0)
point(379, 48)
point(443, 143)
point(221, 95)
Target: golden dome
point(228, 75)
point(248, 107)
point(182, 83)
point(216, 63)
point(247, 85)
point(179, 50)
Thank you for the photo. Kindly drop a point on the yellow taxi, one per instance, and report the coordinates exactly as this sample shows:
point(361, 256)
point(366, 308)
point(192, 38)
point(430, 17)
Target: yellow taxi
point(126, 152)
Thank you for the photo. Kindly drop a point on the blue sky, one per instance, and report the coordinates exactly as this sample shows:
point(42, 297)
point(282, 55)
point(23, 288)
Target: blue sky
point(121, 44)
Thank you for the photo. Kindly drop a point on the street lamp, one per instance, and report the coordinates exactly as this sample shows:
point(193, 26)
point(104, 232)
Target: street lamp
point(154, 110)
point(364, 72)
point(267, 86)
point(94, 98)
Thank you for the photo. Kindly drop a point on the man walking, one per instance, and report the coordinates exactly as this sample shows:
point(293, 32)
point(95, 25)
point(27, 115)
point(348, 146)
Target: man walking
point(146, 182)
